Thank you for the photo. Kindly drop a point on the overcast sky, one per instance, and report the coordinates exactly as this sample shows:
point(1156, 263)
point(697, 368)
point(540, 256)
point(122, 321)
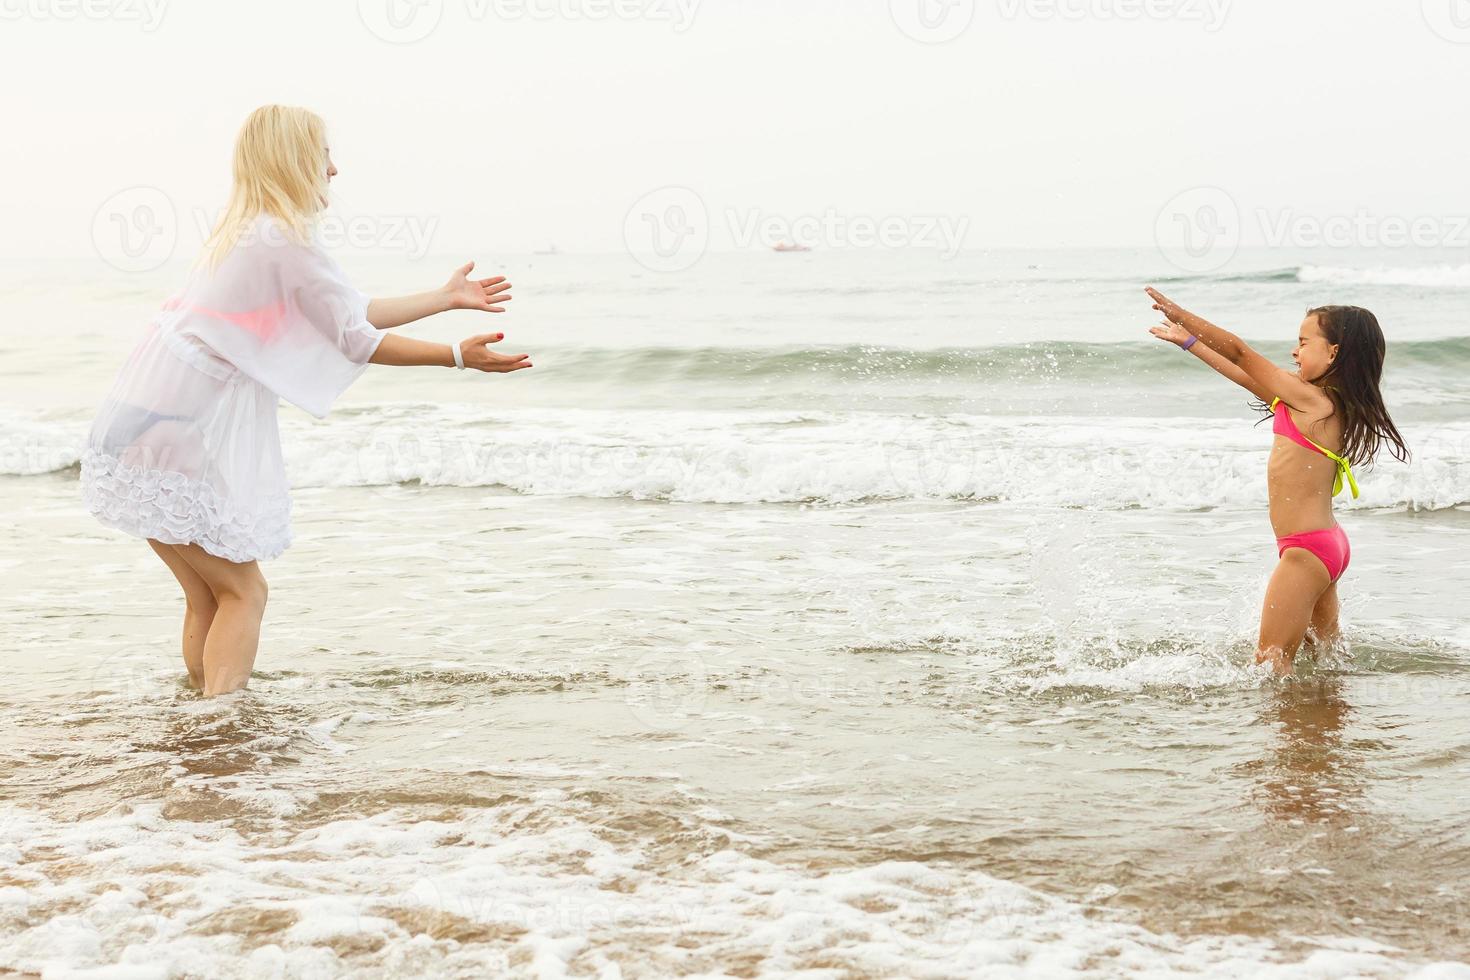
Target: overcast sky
point(512, 124)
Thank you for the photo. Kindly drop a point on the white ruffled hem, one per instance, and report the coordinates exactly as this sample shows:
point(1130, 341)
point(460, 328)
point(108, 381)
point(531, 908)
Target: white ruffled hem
point(171, 508)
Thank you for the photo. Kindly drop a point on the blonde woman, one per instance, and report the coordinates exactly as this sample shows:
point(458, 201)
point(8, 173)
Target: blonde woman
point(185, 451)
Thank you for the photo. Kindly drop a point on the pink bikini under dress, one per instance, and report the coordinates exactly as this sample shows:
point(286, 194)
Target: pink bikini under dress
point(1330, 545)
point(185, 448)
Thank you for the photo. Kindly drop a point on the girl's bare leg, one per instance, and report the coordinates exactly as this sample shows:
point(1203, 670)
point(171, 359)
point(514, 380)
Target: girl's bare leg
point(234, 637)
point(1299, 581)
point(199, 609)
point(1325, 630)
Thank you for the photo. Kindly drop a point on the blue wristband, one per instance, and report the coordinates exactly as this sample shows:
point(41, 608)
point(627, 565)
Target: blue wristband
point(1189, 343)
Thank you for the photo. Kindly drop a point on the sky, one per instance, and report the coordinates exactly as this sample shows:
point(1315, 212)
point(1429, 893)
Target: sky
point(513, 125)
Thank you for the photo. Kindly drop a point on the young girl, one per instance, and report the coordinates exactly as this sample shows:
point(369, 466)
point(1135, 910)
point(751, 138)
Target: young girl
point(1329, 415)
point(185, 451)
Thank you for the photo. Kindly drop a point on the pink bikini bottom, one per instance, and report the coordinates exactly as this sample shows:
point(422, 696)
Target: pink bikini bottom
point(1330, 545)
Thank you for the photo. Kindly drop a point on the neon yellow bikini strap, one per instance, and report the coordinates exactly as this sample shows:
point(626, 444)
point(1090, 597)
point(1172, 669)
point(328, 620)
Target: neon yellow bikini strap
point(1344, 468)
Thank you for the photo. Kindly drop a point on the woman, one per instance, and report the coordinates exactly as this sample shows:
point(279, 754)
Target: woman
point(186, 452)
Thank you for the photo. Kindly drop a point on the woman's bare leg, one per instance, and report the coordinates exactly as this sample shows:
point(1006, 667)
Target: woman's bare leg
point(1299, 581)
point(234, 637)
point(199, 609)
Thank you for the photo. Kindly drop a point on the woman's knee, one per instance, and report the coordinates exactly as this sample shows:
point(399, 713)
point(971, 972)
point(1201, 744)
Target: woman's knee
point(248, 588)
point(228, 581)
point(201, 603)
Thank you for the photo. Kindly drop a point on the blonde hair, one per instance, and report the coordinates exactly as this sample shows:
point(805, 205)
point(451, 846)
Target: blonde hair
point(280, 169)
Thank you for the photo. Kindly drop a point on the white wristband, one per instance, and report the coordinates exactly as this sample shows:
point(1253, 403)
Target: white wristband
point(458, 356)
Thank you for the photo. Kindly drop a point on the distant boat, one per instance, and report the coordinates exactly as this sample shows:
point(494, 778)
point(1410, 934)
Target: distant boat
point(548, 250)
point(789, 247)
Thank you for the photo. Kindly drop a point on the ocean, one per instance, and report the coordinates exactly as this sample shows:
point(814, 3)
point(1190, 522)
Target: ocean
point(828, 615)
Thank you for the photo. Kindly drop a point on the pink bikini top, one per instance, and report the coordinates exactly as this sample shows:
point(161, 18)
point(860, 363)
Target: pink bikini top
point(1284, 426)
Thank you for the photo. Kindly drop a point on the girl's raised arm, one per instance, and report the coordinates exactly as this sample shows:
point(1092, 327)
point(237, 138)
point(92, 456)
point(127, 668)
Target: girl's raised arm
point(1256, 371)
point(1180, 337)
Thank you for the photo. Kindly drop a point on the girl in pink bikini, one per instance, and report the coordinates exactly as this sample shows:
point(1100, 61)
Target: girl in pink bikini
point(1328, 415)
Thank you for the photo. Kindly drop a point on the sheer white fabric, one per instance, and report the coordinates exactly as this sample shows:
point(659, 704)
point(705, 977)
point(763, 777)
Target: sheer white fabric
point(186, 448)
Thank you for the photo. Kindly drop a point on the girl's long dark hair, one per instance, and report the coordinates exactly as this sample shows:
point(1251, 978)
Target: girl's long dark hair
point(1352, 383)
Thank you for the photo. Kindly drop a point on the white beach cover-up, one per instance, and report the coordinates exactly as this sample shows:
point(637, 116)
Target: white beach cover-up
point(186, 447)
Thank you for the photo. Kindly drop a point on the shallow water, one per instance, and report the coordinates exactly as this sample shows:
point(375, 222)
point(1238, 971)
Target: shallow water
point(582, 686)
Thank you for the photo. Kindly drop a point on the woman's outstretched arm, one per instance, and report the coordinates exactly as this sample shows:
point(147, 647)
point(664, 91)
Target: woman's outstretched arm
point(396, 351)
point(459, 293)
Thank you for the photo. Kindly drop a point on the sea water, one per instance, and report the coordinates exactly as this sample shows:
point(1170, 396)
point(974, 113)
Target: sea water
point(838, 615)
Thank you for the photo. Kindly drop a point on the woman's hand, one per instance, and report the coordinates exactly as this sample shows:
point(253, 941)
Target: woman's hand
point(478, 355)
point(1172, 332)
point(465, 293)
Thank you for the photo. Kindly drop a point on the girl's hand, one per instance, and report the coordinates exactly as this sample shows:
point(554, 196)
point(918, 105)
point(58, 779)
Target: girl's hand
point(476, 294)
point(1172, 332)
point(479, 356)
point(1172, 311)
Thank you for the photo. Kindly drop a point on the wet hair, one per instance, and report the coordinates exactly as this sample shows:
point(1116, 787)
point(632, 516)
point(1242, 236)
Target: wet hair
point(1352, 383)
